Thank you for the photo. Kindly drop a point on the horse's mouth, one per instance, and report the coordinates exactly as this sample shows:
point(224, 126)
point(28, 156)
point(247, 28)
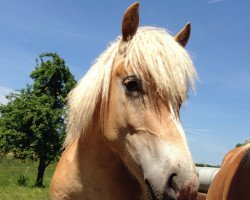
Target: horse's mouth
point(154, 195)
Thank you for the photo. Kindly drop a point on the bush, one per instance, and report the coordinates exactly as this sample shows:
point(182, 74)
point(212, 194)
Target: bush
point(22, 180)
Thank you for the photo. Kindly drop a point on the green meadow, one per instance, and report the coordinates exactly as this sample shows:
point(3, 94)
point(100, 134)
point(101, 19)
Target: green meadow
point(17, 179)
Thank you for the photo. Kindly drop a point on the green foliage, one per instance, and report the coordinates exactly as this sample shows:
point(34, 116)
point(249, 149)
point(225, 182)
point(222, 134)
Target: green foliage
point(32, 124)
point(52, 78)
point(244, 143)
point(205, 165)
point(238, 145)
point(22, 180)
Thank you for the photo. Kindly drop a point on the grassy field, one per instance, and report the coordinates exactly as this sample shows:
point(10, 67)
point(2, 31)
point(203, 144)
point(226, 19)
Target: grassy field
point(17, 179)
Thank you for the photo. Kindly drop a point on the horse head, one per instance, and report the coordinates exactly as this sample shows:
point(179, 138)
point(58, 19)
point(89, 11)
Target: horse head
point(148, 84)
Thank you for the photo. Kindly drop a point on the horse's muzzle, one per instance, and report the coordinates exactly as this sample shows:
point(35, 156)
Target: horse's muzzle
point(175, 188)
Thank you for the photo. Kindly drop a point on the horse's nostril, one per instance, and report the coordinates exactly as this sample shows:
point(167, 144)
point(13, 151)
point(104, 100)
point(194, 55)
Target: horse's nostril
point(172, 182)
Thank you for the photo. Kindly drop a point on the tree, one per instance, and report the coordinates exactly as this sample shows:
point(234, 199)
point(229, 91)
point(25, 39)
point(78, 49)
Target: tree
point(32, 124)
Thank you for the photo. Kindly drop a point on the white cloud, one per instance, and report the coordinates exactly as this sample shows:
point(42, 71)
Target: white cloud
point(3, 92)
point(199, 132)
point(207, 149)
point(205, 146)
point(216, 1)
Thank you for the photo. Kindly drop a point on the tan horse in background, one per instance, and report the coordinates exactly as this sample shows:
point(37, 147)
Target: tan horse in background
point(125, 140)
point(233, 179)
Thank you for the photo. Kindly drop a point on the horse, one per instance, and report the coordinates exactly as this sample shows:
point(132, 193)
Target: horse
point(124, 135)
point(233, 179)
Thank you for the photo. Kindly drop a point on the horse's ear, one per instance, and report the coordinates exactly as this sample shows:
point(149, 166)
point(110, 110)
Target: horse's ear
point(183, 36)
point(130, 22)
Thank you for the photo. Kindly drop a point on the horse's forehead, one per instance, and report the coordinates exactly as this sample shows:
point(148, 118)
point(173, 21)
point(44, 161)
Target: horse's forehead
point(120, 70)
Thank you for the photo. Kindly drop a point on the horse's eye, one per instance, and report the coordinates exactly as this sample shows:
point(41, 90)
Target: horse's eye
point(132, 84)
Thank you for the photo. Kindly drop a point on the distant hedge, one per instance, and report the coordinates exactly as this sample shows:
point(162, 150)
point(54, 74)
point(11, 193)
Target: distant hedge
point(242, 144)
point(205, 165)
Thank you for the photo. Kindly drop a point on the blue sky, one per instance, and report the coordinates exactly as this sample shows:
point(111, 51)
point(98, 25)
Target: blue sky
point(215, 119)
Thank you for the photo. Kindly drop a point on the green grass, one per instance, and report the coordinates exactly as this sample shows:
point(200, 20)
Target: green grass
point(12, 170)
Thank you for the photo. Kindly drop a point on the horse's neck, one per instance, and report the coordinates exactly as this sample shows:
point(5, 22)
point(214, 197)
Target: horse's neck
point(102, 171)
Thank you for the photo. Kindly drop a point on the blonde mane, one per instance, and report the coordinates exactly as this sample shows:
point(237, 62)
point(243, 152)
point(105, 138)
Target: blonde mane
point(151, 51)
